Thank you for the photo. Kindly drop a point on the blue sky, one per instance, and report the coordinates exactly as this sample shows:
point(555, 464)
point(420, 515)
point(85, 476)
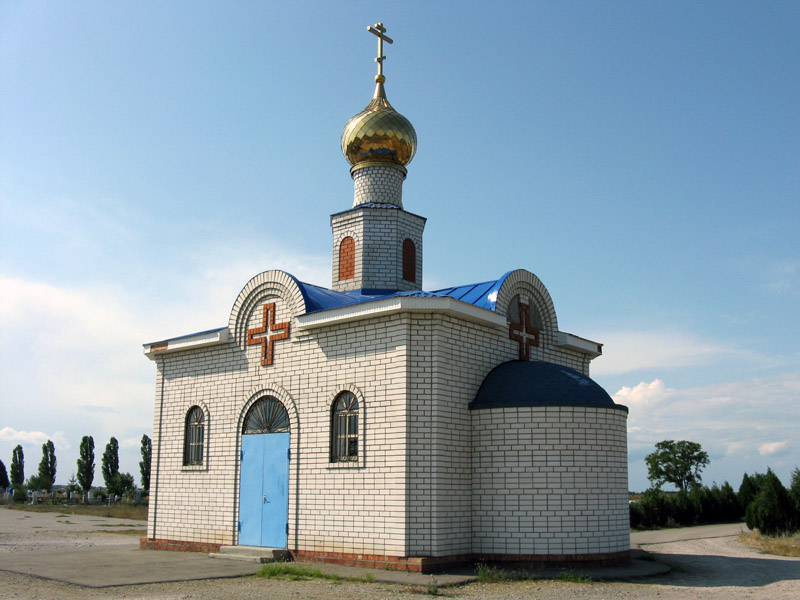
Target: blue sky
point(641, 158)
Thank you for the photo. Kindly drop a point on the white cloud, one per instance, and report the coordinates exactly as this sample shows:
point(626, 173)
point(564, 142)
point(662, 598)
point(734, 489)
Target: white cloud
point(33, 438)
point(642, 395)
point(628, 351)
point(771, 448)
point(737, 422)
point(72, 359)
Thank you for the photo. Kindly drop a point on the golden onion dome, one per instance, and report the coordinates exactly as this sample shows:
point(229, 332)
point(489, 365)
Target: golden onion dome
point(379, 133)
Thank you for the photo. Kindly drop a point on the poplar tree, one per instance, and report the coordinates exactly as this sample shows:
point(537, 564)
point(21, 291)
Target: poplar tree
point(110, 464)
point(86, 463)
point(4, 482)
point(144, 465)
point(17, 467)
point(47, 466)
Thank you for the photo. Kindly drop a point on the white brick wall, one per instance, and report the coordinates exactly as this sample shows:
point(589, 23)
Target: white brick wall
point(381, 183)
point(421, 486)
point(379, 235)
point(550, 481)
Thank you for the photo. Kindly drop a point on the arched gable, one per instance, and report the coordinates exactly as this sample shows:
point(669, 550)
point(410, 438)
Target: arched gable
point(531, 291)
point(248, 312)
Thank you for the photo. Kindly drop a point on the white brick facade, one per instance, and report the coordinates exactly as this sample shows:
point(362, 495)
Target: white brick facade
point(433, 479)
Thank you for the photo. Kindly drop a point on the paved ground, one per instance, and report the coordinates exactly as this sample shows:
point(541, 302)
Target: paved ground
point(48, 554)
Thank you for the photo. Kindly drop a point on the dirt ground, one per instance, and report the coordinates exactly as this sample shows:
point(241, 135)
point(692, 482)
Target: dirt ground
point(709, 567)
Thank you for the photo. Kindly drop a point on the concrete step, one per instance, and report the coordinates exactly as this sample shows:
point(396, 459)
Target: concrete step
point(254, 554)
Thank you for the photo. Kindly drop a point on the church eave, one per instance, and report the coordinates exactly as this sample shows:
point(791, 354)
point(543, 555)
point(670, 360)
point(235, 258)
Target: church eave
point(579, 344)
point(397, 304)
point(202, 339)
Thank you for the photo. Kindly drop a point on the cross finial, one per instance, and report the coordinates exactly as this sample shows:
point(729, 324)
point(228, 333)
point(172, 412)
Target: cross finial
point(379, 30)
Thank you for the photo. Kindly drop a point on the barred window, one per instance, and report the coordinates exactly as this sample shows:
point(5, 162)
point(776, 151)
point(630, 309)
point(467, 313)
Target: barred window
point(344, 428)
point(194, 436)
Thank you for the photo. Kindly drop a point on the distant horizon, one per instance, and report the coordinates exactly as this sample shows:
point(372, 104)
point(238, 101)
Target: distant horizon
point(640, 159)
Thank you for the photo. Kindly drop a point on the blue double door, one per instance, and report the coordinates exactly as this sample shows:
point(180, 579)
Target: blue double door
point(264, 490)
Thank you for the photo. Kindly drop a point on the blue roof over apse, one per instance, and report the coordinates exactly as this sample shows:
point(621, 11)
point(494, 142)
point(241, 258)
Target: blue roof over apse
point(535, 383)
point(483, 295)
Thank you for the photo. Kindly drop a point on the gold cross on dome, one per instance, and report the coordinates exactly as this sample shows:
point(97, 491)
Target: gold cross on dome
point(379, 30)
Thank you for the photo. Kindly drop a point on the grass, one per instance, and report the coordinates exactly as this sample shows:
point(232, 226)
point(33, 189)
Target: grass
point(491, 574)
point(573, 577)
point(432, 589)
point(784, 545)
point(117, 511)
point(294, 572)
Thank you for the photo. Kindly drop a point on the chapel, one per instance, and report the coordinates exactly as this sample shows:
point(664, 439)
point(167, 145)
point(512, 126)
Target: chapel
point(375, 424)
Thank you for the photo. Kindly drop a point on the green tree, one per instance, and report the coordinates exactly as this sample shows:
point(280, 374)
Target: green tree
point(17, 466)
point(86, 463)
point(124, 484)
point(4, 482)
point(110, 464)
point(144, 464)
point(37, 482)
point(794, 488)
point(678, 463)
point(72, 484)
point(47, 466)
point(749, 489)
point(772, 511)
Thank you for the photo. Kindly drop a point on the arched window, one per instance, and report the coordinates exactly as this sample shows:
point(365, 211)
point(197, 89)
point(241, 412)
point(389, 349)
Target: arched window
point(344, 428)
point(409, 261)
point(347, 259)
point(194, 436)
point(267, 415)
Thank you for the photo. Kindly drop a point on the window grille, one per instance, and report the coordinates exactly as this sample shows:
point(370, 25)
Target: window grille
point(194, 437)
point(267, 415)
point(344, 428)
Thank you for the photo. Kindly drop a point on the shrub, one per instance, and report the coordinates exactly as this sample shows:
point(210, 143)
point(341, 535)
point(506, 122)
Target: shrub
point(684, 508)
point(655, 510)
point(794, 489)
point(772, 511)
point(20, 494)
point(727, 504)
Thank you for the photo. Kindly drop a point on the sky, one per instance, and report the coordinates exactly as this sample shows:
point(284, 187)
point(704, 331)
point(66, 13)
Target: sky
point(642, 159)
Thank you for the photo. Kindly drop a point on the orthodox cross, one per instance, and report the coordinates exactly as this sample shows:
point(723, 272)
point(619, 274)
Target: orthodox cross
point(379, 30)
point(523, 332)
point(268, 341)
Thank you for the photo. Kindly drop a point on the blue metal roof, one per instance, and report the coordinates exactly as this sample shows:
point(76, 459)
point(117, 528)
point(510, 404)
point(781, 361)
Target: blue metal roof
point(535, 383)
point(317, 298)
point(483, 295)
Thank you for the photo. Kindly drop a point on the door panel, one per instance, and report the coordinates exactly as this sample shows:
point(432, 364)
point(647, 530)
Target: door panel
point(263, 490)
point(275, 505)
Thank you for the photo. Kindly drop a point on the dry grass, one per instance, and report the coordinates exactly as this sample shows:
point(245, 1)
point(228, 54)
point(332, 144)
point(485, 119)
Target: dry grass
point(784, 545)
point(118, 511)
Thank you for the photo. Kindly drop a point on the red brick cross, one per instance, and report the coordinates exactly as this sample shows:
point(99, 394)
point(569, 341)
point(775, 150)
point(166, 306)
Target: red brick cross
point(524, 333)
point(267, 341)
